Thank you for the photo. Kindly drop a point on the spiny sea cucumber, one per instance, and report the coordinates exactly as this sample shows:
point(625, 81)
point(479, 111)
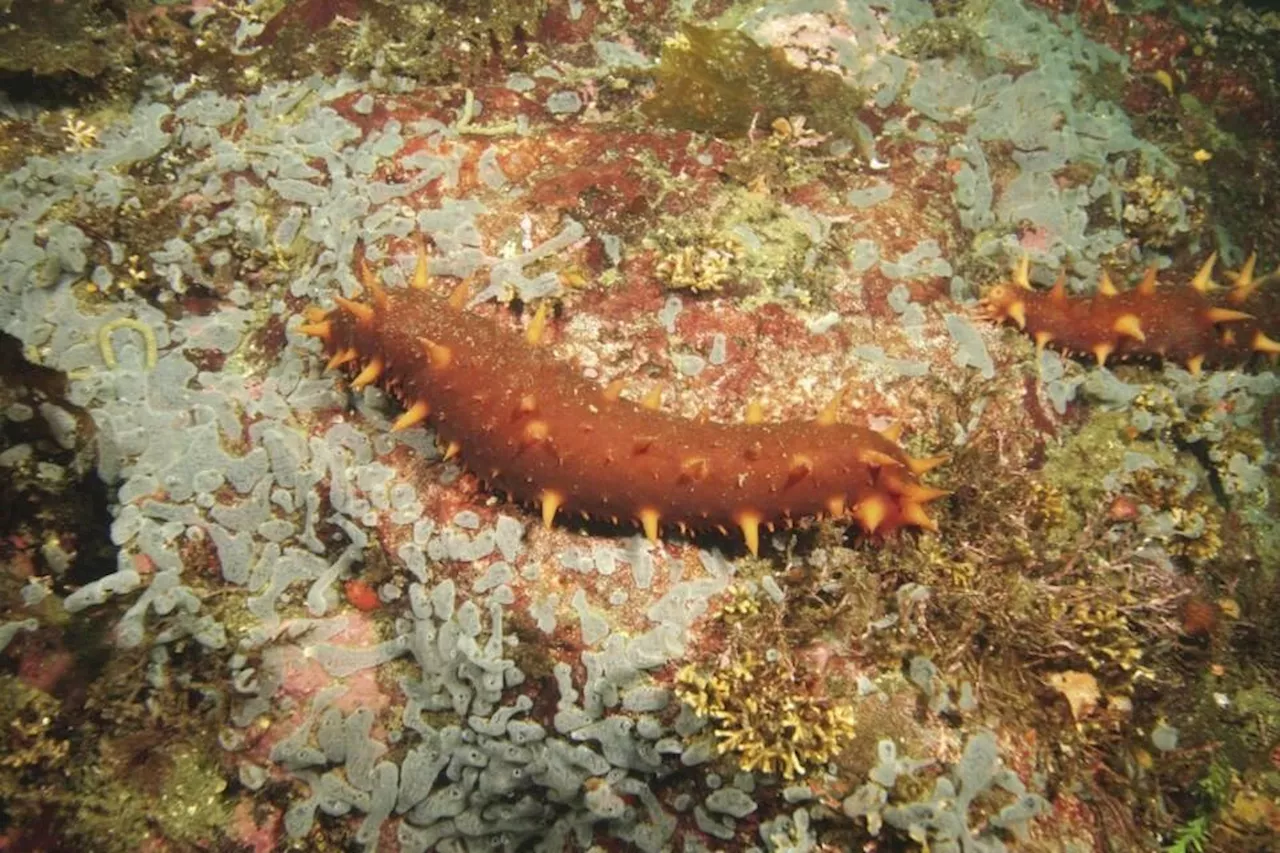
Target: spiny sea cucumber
point(531, 427)
point(1194, 325)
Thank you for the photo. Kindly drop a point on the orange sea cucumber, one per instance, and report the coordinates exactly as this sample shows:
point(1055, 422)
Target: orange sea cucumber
point(1197, 324)
point(529, 426)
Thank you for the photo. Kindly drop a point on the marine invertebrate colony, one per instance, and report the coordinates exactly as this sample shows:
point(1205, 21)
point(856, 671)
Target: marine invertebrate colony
point(762, 714)
point(531, 427)
point(1194, 325)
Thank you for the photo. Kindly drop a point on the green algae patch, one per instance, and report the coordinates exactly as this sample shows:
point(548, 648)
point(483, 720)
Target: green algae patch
point(81, 39)
point(723, 82)
point(744, 238)
point(1073, 489)
point(178, 796)
point(429, 42)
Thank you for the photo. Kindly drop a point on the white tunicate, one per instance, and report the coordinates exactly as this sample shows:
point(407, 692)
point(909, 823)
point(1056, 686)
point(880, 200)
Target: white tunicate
point(564, 102)
point(467, 519)
point(731, 801)
point(670, 311)
point(497, 573)
point(507, 534)
point(8, 630)
point(689, 364)
point(971, 350)
point(403, 496)
point(1164, 737)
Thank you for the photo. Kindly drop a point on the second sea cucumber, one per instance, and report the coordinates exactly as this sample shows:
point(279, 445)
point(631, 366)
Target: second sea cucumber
point(1197, 324)
point(531, 427)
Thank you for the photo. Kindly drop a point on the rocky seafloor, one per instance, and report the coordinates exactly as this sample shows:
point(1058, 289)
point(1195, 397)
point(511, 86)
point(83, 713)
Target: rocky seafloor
point(239, 613)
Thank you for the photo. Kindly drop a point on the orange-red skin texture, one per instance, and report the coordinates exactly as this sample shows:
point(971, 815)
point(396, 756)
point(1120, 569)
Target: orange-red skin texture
point(527, 424)
point(1175, 322)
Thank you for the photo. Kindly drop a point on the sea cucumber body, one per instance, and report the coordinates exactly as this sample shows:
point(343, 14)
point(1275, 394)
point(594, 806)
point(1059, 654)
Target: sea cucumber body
point(531, 427)
point(1194, 325)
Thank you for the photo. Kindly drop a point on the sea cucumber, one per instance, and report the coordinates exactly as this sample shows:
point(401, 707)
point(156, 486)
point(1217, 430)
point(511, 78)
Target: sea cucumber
point(530, 427)
point(1197, 324)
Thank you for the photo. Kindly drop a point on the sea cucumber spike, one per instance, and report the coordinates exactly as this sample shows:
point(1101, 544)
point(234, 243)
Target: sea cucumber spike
point(1021, 272)
point(451, 450)
point(527, 406)
point(1261, 343)
point(551, 501)
point(925, 464)
point(314, 314)
point(831, 411)
point(412, 416)
point(341, 357)
point(461, 293)
point(1101, 351)
point(1058, 293)
point(871, 513)
point(694, 469)
point(1042, 339)
point(653, 398)
point(877, 458)
point(1226, 315)
point(1240, 293)
point(750, 523)
point(359, 310)
point(1195, 364)
point(755, 412)
point(641, 444)
point(913, 513)
point(370, 374)
point(1203, 280)
point(681, 526)
point(1107, 287)
point(421, 277)
point(369, 279)
point(363, 271)
point(322, 330)
point(440, 355)
point(1130, 326)
point(890, 482)
point(893, 431)
point(537, 326)
point(1017, 309)
point(649, 520)
point(922, 494)
point(1244, 278)
point(535, 432)
point(613, 390)
point(836, 506)
point(1147, 287)
point(801, 467)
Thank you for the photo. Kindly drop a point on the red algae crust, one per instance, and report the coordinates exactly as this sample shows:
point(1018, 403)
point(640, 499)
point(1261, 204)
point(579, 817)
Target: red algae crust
point(1196, 324)
point(529, 426)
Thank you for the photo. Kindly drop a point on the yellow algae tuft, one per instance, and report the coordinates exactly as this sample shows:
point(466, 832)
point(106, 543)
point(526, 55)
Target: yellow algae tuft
point(767, 717)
